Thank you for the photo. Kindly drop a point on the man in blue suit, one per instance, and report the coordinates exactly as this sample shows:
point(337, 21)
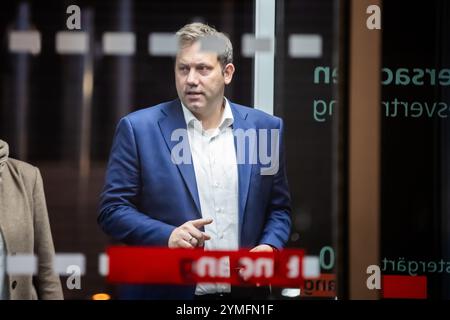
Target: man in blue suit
point(199, 171)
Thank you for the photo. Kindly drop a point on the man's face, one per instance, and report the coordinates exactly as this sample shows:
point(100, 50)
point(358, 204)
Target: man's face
point(200, 80)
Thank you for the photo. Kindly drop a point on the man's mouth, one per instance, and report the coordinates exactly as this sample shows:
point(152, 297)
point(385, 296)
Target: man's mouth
point(193, 93)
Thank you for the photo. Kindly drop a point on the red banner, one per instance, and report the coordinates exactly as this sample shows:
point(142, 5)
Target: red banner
point(404, 287)
point(323, 286)
point(149, 265)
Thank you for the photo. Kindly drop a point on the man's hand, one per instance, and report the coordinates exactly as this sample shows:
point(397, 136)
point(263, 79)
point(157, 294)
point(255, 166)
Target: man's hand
point(188, 234)
point(259, 248)
point(262, 248)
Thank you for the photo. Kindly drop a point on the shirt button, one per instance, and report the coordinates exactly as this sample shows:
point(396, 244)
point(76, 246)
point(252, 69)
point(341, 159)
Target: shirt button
point(14, 284)
point(217, 209)
point(216, 184)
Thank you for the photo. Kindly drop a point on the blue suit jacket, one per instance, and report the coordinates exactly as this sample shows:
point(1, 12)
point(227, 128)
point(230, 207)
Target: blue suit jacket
point(146, 196)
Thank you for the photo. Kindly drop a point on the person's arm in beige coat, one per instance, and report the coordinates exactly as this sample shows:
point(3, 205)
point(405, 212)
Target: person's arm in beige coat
point(49, 285)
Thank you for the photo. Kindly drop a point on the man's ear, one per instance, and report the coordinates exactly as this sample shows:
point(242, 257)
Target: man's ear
point(228, 72)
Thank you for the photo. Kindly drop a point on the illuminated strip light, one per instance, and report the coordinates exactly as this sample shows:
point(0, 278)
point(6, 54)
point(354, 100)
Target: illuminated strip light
point(305, 46)
point(72, 42)
point(311, 267)
point(162, 44)
point(251, 45)
point(213, 44)
point(119, 43)
point(290, 292)
point(24, 42)
point(21, 264)
point(68, 263)
point(103, 264)
point(140, 265)
point(403, 287)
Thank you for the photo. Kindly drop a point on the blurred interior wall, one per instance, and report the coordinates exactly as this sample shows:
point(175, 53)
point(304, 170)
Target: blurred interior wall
point(364, 149)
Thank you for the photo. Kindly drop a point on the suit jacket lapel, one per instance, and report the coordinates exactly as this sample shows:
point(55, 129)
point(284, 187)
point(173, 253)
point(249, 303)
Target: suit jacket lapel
point(245, 168)
point(175, 120)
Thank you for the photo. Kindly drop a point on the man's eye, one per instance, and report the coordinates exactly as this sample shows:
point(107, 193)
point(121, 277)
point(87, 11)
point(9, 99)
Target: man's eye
point(203, 69)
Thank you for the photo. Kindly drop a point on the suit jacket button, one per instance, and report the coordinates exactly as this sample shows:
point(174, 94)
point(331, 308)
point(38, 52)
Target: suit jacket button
point(14, 284)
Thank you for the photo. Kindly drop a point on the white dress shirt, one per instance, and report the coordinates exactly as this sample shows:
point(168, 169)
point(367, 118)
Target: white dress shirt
point(214, 159)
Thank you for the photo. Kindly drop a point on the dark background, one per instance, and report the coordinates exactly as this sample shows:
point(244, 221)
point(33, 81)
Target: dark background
point(415, 172)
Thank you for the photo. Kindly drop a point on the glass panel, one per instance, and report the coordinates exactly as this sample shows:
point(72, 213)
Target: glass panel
point(415, 149)
point(306, 77)
point(61, 102)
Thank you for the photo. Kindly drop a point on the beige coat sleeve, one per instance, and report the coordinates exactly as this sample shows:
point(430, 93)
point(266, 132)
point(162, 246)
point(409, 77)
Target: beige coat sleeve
point(48, 283)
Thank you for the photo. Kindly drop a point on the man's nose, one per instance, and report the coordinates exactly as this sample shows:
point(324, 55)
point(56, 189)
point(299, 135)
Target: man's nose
point(192, 78)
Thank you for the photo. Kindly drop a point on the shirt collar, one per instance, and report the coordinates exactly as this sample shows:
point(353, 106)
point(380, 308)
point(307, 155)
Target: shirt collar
point(226, 121)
